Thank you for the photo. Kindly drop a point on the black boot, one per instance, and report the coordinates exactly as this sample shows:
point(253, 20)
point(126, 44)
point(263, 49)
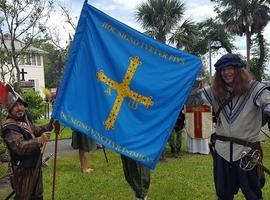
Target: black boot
point(172, 149)
point(177, 152)
point(162, 158)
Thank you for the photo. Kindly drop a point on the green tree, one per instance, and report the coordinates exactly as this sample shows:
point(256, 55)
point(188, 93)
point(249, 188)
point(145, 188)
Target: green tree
point(35, 104)
point(213, 32)
point(185, 36)
point(20, 19)
point(260, 53)
point(209, 35)
point(54, 60)
point(244, 17)
point(54, 63)
point(160, 17)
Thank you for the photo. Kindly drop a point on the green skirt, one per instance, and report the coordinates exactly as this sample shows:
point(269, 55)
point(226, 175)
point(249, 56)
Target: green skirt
point(81, 141)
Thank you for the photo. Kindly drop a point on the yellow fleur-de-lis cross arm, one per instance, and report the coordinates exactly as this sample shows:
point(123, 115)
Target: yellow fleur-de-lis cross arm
point(103, 78)
point(123, 91)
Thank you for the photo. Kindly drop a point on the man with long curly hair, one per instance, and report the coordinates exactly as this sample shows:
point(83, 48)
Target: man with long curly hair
point(238, 102)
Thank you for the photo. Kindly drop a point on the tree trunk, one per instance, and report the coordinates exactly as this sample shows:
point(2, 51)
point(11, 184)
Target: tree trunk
point(261, 60)
point(18, 72)
point(248, 35)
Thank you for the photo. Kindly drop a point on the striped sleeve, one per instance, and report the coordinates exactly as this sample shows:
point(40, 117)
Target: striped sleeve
point(205, 93)
point(262, 97)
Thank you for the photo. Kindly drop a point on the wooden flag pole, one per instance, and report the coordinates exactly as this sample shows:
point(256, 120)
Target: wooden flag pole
point(57, 131)
point(36, 173)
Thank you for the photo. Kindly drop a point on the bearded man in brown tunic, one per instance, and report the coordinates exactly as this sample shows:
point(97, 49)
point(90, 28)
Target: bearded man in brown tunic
point(24, 141)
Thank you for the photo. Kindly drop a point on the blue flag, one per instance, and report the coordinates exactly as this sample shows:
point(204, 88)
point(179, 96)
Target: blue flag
point(123, 88)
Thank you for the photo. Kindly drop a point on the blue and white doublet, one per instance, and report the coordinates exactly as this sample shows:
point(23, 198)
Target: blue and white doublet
point(241, 118)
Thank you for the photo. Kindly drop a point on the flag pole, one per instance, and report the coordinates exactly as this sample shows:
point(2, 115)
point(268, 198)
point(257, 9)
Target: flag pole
point(105, 154)
point(36, 173)
point(57, 131)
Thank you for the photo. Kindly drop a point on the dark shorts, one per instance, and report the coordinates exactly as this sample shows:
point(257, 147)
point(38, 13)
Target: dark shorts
point(137, 176)
point(81, 141)
point(229, 178)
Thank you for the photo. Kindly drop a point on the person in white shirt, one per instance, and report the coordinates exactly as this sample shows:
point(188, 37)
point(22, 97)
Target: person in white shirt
point(238, 102)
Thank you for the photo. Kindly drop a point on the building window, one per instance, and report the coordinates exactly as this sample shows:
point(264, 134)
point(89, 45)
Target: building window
point(22, 59)
point(34, 62)
point(38, 59)
point(28, 59)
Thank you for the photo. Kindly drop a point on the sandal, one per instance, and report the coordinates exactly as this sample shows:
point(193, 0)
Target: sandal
point(87, 170)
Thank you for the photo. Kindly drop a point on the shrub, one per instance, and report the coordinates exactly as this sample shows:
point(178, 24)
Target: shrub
point(35, 104)
point(2, 116)
point(2, 146)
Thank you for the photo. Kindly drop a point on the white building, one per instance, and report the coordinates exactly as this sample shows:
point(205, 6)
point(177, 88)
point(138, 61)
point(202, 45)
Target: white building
point(30, 64)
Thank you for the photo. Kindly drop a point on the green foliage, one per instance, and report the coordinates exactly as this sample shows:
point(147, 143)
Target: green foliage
point(159, 17)
point(213, 33)
point(163, 20)
point(54, 63)
point(198, 38)
point(244, 18)
point(2, 146)
point(2, 116)
point(35, 104)
point(186, 36)
point(260, 53)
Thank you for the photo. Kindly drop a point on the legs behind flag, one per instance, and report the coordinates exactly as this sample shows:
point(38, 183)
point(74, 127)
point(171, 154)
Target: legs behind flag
point(175, 142)
point(137, 176)
point(85, 145)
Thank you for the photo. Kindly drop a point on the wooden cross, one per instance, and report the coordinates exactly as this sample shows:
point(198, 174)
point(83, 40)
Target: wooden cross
point(23, 73)
point(123, 91)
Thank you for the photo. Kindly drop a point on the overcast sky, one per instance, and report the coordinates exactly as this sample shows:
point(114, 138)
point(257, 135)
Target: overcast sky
point(123, 10)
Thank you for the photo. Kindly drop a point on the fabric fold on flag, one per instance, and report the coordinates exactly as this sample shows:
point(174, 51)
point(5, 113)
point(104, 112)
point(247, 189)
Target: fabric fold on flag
point(123, 88)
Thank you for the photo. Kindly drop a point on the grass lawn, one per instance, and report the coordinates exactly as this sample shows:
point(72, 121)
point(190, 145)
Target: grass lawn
point(187, 178)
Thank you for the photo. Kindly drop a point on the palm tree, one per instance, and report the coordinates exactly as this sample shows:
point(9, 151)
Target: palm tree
point(160, 17)
point(212, 31)
point(185, 36)
point(244, 17)
point(198, 38)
